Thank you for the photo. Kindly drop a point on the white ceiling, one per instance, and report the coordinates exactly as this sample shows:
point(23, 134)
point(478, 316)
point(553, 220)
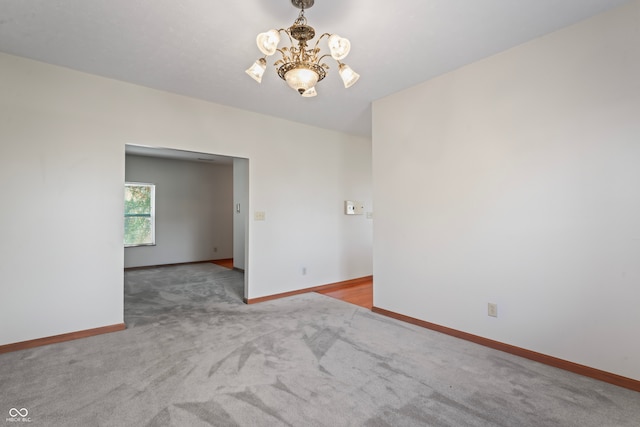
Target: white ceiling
point(200, 48)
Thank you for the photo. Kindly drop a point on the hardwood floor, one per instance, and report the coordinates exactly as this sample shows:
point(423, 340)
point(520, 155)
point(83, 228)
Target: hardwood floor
point(359, 294)
point(227, 263)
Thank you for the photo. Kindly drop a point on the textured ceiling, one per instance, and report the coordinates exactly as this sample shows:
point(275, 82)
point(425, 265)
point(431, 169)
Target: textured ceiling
point(200, 48)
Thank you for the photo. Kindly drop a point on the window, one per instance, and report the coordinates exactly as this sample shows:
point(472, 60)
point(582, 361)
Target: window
point(139, 214)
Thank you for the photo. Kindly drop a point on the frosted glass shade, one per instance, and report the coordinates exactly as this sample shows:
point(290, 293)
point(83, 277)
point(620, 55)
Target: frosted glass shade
point(311, 92)
point(339, 47)
point(268, 42)
point(301, 79)
point(349, 77)
point(257, 70)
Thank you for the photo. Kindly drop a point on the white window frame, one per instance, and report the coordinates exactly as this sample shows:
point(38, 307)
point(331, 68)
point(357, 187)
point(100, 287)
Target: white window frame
point(152, 215)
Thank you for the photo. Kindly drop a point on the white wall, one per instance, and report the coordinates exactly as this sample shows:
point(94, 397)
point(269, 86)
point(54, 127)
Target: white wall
point(516, 180)
point(62, 167)
point(194, 210)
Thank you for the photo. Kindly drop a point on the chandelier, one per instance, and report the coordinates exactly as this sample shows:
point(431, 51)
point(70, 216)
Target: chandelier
point(300, 65)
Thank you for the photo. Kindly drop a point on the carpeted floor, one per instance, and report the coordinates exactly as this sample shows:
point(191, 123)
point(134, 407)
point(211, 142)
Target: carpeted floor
point(195, 355)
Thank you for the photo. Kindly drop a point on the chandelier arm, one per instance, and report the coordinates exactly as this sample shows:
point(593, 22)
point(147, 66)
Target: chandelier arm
point(285, 57)
point(282, 30)
point(326, 54)
point(320, 38)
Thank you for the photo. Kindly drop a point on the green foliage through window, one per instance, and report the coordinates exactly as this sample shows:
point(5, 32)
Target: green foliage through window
point(139, 214)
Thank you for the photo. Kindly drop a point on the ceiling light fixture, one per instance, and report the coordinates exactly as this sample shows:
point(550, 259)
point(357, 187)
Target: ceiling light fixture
point(300, 65)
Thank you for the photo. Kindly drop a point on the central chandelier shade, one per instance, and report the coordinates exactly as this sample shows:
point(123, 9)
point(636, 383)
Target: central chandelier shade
point(300, 66)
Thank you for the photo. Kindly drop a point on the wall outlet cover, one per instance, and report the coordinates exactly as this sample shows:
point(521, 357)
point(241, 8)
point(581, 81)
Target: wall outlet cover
point(492, 310)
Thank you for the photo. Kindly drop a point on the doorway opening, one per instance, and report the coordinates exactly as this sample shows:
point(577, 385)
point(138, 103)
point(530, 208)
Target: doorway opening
point(201, 207)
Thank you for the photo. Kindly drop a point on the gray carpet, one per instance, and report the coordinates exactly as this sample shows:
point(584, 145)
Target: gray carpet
point(195, 355)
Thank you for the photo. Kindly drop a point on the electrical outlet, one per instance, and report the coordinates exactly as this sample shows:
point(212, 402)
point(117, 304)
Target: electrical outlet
point(215, 249)
point(493, 310)
point(304, 271)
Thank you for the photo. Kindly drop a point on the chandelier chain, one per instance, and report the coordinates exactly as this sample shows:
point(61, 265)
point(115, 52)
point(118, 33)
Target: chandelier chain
point(301, 20)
